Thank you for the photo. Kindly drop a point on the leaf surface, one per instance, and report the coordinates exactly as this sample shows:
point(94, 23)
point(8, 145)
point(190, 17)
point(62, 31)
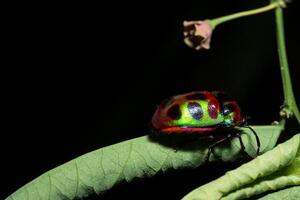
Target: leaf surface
point(273, 170)
point(292, 193)
point(100, 170)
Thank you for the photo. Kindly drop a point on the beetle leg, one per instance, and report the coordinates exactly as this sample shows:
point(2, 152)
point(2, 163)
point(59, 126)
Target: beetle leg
point(229, 136)
point(257, 139)
point(210, 148)
point(243, 148)
point(238, 135)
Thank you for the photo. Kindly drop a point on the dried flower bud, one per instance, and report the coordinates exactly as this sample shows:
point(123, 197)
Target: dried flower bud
point(197, 34)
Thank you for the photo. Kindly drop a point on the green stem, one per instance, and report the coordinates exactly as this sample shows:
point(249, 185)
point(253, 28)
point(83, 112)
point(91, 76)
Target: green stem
point(290, 105)
point(271, 6)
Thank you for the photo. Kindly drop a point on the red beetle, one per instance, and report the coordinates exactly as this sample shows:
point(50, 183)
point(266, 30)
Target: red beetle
point(200, 112)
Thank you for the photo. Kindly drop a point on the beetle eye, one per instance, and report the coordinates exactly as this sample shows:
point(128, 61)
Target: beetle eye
point(226, 111)
point(228, 108)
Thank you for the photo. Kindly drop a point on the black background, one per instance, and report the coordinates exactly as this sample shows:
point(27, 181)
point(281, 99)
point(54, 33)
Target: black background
point(81, 77)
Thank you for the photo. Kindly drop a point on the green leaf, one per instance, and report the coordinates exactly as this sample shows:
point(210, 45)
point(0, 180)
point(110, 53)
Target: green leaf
point(292, 193)
point(273, 170)
point(100, 170)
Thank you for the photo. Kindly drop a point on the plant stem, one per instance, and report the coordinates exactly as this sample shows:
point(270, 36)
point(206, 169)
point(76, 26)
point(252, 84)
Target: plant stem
point(290, 105)
point(271, 6)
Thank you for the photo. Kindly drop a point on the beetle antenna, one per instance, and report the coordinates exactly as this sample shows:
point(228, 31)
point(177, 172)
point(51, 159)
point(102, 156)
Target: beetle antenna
point(256, 137)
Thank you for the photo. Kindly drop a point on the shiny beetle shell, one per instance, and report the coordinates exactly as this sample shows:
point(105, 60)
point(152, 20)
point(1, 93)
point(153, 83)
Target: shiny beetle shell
point(197, 112)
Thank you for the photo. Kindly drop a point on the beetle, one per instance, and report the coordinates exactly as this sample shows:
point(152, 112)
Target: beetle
point(202, 113)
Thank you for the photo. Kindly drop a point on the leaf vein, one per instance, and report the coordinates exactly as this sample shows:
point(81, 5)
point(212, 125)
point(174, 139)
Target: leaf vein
point(77, 177)
point(145, 160)
point(167, 156)
point(50, 186)
point(126, 161)
point(60, 191)
point(101, 162)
